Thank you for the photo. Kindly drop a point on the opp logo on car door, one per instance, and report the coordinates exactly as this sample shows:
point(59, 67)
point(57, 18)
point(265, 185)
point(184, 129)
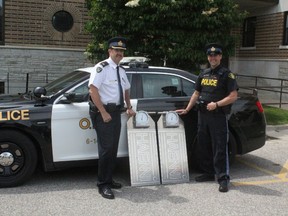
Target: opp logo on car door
point(84, 123)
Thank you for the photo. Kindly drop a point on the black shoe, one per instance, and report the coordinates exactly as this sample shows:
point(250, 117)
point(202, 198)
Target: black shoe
point(205, 177)
point(115, 185)
point(223, 186)
point(106, 192)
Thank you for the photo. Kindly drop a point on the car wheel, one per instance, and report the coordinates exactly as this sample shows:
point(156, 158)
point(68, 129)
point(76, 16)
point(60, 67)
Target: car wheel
point(18, 158)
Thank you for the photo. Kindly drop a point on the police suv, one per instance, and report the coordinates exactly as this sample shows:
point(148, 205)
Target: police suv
point(52, 127)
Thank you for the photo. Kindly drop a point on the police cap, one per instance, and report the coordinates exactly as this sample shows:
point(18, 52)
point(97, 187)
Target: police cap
point(213, 48)
point(117, 43)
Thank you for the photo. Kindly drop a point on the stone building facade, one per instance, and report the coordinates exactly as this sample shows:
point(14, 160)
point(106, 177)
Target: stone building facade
point(263, 50)
point(268, 54)
point(36, 47)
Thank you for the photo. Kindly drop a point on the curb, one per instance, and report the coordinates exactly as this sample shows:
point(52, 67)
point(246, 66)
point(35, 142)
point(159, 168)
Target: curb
point(276, 127)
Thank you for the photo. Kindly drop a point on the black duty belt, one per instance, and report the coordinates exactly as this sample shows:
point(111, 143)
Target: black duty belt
point(202, 107)
point(112, 107)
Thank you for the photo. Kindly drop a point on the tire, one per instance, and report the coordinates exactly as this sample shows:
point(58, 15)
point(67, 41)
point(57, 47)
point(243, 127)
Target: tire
point(18, 158)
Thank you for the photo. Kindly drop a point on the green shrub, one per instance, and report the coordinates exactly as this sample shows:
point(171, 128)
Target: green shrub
point(275, 116)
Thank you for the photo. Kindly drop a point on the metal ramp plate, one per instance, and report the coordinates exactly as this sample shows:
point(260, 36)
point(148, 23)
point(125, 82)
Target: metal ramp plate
point(173, 153)
point(143, 154)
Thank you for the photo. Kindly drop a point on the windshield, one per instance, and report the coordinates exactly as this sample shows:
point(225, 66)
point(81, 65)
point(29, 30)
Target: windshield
point(64, 81)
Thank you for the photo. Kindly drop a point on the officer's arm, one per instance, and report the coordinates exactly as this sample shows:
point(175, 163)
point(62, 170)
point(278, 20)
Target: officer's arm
point(96, 98)
point(191, 103)
point(127, 99)
point(129, 110)
point(231, 98)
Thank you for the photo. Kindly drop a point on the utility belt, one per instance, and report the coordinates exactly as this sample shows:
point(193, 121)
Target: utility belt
point(202, 107)
point(110, 107)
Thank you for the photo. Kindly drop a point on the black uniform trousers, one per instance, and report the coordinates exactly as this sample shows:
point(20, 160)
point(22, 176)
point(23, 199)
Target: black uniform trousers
point(213, 135)
point(108, 135)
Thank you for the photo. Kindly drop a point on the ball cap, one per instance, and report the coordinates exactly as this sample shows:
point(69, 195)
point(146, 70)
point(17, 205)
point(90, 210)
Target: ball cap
point(117, 43)
point(213, 48)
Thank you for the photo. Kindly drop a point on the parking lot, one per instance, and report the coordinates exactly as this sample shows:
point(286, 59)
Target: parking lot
point(259, 186)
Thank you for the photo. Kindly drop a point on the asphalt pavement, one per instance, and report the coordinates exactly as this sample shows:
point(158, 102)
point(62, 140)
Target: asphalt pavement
point(258, 188)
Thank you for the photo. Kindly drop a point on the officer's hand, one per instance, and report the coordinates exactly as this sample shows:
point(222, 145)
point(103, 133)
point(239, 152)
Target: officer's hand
point(211, 106)
point(130, 112)
point(181, 111)
point(106, 117)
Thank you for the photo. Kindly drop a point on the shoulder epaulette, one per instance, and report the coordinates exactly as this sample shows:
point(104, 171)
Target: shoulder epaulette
point(104, 63)
point(100, 66)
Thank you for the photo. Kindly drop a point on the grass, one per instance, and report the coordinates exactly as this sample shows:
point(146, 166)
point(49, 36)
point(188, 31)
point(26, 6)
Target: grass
point(275, 116)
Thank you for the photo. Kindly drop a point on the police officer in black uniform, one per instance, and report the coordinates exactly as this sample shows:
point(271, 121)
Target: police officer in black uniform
point(215, 91)
point(108, 88)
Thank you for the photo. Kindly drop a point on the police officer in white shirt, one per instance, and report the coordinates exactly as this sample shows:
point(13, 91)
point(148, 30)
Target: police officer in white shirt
point(108, 88)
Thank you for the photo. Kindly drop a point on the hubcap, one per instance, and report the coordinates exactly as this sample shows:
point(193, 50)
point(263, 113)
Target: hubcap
point(6, 159)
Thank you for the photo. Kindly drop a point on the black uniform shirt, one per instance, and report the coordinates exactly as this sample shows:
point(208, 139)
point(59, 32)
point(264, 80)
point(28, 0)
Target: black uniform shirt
point(215, 84)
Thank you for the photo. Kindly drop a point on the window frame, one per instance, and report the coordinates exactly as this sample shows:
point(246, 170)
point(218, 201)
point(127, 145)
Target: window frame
point(248, 37)
point(62, 21)
point(285, 29)
point(2, 22)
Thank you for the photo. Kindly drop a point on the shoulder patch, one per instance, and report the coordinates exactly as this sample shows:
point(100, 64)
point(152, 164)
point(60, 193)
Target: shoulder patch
point(231, 75)
point(99, 69)
point(100, 66)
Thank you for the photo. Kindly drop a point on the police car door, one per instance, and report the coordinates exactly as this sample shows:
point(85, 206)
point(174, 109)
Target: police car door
point(73, 137)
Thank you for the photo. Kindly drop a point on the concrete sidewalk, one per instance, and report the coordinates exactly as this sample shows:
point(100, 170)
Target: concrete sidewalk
point(277, 131)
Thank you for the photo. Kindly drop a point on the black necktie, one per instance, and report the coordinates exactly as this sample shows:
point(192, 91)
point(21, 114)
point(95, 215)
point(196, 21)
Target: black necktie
point(120, 88)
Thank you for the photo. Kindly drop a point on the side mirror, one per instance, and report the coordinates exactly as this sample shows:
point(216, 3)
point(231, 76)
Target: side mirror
point(70, 96)
point(39, 92)
point(73, 97)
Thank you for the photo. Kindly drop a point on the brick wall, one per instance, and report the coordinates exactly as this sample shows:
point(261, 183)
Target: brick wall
point(32, 45)
point(29, 23)
point(268, 38)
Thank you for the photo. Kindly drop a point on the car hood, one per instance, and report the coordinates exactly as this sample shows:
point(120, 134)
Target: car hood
point(15, 101)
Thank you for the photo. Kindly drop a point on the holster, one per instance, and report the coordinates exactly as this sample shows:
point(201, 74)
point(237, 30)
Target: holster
point(110, 107)
point(202, 106)
point(92, 106)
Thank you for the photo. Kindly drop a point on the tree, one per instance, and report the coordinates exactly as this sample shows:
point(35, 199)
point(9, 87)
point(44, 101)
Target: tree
point(172, 30)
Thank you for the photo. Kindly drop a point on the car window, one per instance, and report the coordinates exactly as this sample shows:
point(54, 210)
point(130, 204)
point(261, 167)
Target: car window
point(64, 81)
point(82, 89)
point(129, 76)
point(188, 87)
point(163, 85)
point(81, 94)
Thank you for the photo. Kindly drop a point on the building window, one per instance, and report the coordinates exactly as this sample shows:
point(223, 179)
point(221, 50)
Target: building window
point(62, 21)
point(249, 32)
point(2, 87)
point(1, 21)
point(285, 39)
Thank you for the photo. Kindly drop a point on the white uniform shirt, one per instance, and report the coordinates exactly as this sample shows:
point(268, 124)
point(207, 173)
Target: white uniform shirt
point(105, 79)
